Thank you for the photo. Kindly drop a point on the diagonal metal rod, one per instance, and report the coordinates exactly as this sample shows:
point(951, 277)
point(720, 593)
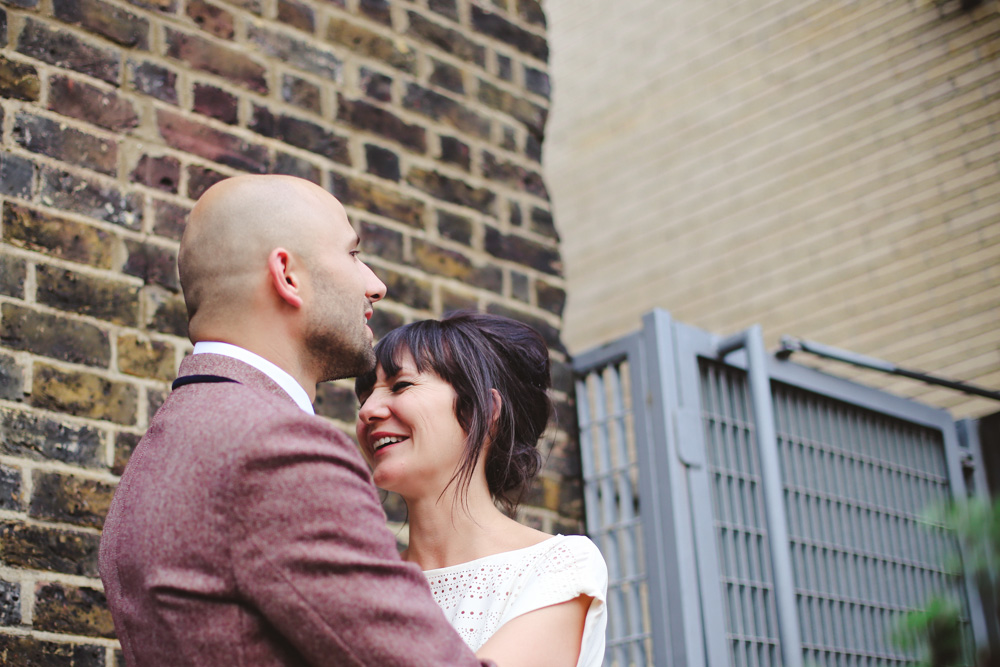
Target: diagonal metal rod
point(790, 344)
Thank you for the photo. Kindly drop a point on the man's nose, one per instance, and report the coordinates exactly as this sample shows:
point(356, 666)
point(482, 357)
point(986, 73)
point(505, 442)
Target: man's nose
point(375, 289)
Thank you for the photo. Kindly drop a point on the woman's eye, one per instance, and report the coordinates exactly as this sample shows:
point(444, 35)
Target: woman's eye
point(400, 386)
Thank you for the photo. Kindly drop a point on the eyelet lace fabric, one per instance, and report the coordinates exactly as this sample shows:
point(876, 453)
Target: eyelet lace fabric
point(480, 596)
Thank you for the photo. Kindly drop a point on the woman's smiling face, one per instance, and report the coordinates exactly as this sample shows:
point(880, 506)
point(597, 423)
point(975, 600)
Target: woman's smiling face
point(408, 431)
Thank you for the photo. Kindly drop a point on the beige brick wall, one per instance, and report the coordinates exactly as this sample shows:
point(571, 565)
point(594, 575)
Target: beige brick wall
point(827, 168)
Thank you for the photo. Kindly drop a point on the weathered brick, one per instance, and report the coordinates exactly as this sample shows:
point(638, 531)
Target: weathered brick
point(533, 147)
point(168, 314)
point(451, 189)
point(384, 321)
point(547, 331)
point(102, 18)
point(297, 14)
point(301, 133)
point(519, 287)
point(72, 610)
point(508, 140)
point(497, 27)
point(447, 76)
point(165, 6)
point(376, 85)
point(169, 219)
point(448, 40)
point(10, 603)
point(17, 175)
point(454, 227)
point(146, 358)
point(193, 137)
point(201, 179)
point(377, 200)
point(216, 103)
point(18, 81)
point(256, 6)
point(292, 165)
point(154, 400)
point(455, 151)
point(32, 229)
point(443, 109)
point(11, 497)
point(531, 11)
point(36, 437)
point(386, 244)
point(70, 499)
point(401, 288)
point(440, 261)
point(206, 56)
point(11, 377)
point(155, 264)
point(364, 116)
point(40, 547)
point(61, 189)
point(13, 272)
point(376, 10)
point(505, 68)
point(83, 395)
point(27, 651)
point(125, 444)
point(514, 213)
point(563, 377)
point(211, 18)
point(3, 27)
point(448, 8)
point(56, 140)
point(514, 175)
point(154, 80)
point(23, 4)
point(103, 298)
point(454, 301)
point(106, 108)
point(295, 52)
point(53, 336)
point(162, 172)
point(550, 297)
point(542, 223)
point(537, 81)
point(303, 94)
point(336, 402)
point(372, 45)
point(523, 251)
point(382, 162)
point(532, 115)
point(64, 49)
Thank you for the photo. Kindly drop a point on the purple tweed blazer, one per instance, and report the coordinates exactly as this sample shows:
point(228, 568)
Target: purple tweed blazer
point(245, 532)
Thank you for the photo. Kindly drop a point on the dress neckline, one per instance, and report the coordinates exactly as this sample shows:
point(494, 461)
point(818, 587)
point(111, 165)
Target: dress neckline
point(484, 559)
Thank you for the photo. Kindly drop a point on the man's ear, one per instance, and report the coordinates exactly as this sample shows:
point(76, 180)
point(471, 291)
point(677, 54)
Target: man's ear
point(284, 280)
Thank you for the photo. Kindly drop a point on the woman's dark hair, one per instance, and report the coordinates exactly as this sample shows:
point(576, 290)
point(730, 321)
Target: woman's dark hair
point(474, 353)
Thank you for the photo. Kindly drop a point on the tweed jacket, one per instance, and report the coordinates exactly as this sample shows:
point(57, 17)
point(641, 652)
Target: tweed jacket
point(245, 532)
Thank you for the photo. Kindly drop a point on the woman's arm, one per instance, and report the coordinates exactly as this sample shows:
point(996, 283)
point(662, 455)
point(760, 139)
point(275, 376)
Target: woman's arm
point(546, 637)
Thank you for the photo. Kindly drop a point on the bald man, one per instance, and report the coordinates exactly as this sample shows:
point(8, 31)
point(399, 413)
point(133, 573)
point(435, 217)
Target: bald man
point(245, 530)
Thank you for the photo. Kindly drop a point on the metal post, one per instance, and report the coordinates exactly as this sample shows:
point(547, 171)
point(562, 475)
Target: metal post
point(752, 340)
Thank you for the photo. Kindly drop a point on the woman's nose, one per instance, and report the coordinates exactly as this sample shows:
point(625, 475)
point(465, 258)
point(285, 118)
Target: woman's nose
point(372, 409)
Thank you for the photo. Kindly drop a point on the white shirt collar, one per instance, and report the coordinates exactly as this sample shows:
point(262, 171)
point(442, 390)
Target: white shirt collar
point(284, 380)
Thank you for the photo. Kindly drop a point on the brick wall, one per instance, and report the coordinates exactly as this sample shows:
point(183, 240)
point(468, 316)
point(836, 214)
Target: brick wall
point(425, 117)
point(827, 168)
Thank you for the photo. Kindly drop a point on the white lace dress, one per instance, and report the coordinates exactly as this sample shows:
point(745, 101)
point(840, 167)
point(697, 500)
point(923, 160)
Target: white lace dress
point(479, 596)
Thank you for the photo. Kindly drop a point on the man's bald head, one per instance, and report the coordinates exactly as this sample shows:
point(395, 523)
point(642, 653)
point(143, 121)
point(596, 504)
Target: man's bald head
point(232, 229)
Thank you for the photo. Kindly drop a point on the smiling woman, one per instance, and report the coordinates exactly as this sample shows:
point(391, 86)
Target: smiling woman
point(450, 419)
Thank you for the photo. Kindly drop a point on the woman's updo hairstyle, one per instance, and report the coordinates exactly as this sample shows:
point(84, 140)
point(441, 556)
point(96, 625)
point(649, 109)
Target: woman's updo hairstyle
point(474, 353)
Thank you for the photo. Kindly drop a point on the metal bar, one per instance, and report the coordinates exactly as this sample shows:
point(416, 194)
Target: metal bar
point(790, 344)
point(752, 341)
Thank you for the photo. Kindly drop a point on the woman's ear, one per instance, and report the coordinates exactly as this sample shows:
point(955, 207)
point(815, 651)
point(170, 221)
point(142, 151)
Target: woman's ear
point(283, 278)
point(497, 404)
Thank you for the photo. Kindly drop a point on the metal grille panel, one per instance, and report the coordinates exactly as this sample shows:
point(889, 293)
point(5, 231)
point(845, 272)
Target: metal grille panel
point(857, 488)
point(741, 527)
point(611, 490)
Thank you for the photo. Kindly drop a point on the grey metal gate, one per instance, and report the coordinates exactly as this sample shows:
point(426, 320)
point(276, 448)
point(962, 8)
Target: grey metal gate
point(755, 512)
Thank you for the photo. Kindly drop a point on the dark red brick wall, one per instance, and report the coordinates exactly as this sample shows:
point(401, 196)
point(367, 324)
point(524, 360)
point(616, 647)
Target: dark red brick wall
point(425, 117)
